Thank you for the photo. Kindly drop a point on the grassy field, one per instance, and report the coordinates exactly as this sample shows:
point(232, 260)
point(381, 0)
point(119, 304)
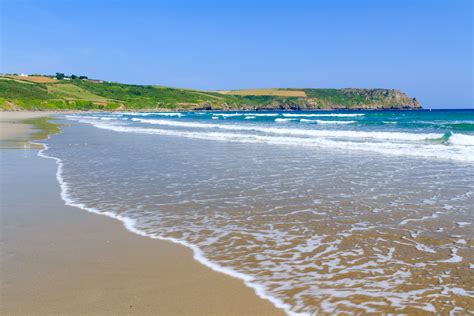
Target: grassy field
point(14, 89)
point(71, 91)
point(36, 79)
point(268, 92)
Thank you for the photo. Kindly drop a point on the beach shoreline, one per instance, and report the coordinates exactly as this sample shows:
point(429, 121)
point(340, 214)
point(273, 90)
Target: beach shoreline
point(16, 132)
point(59, 259)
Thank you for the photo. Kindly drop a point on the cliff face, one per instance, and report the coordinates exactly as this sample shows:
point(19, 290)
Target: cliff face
point(339, 99)
point(383, 98)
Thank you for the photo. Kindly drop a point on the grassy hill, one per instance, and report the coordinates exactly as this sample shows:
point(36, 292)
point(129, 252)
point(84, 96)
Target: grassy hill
point(47, 93)
point(268, 92)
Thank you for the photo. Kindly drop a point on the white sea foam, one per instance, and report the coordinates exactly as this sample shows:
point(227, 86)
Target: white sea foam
point(171, 114)
point(322, 122)
point(399, 136)
point(434, 151)
point(461, 139)
point(228, 114)
point(175, 114)
point(435, 215)
point(454, 257)
point(322, 114)
point(283, 120)
point(198, 255)
point(263, 114)
point(457, 291)
point(136, 113)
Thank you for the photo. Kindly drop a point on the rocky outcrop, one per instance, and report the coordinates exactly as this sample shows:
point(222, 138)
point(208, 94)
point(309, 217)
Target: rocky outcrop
point(355, 99)
point(383, 98)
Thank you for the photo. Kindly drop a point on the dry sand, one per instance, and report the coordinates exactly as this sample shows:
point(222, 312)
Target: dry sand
point(57, 259)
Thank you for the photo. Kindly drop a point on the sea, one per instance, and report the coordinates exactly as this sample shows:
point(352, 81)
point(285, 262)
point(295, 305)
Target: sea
point(320, 212)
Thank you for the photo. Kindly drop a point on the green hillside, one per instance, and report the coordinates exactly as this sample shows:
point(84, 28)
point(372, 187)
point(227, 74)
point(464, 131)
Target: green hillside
point(44, 93)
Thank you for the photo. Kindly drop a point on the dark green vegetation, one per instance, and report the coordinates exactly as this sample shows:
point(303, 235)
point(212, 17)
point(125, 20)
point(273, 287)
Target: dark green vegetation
point(82, 94)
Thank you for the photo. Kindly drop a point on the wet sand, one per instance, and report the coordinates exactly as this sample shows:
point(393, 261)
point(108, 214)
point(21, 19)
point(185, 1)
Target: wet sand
point(11, 126)
point(57, 259)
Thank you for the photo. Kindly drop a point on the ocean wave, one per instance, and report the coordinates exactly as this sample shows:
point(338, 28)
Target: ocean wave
point(263, 114)
point(322, 114)
point(428, 150)
point(322, 122)
point(461, 139)
point(457, 125)
point(283, 120)
point(398, 136)
point(227, 114)
point(176, 114)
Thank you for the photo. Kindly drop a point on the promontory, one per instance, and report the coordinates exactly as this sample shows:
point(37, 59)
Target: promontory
point(42, 92)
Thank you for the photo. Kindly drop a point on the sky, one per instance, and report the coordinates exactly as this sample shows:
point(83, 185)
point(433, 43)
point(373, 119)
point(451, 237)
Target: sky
point(422, 47)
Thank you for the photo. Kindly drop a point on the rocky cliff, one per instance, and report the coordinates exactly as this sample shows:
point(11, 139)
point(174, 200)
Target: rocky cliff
point(336, 99)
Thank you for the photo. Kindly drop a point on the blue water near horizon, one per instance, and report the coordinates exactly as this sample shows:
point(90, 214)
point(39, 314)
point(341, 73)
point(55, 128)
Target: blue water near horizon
point(435, 120)
point(436, 134)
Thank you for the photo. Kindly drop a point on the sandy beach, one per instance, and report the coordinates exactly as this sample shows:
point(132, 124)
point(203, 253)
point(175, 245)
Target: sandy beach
point(57, 259)
point(14, 133)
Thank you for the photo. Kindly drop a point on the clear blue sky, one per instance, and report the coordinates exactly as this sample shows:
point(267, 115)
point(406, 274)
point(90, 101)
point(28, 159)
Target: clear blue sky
point(423, 47)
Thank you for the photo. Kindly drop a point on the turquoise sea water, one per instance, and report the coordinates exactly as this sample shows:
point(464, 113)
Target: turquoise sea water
point(417, 121)
point(320, 212)
point(438, 134)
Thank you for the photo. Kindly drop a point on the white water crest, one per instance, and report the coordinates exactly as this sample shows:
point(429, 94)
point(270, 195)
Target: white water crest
point(176, 114)
point(263, 114)
point(322, 114)
point(322, 122)
point(227, 114)
point(460, 139)
point(284, 120)
point(298, 132)
point(389, 143)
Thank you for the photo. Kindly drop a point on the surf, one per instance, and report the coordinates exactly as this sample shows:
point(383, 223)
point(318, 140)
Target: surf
point(325, 139)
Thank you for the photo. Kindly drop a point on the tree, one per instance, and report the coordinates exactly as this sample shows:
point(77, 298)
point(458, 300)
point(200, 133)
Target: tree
point(73, 77)
point(59, 76)
point(83, 77)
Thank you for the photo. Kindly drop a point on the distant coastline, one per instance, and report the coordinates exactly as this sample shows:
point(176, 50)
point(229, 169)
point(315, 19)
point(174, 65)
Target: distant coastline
point(79, 93)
